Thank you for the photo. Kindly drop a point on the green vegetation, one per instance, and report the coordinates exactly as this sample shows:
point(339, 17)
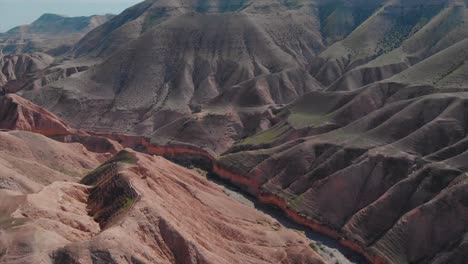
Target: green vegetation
point(123, 156)
point(245, 161)
point(92, 177)
point(112, 208)
point(338, 19)
point(313, 246)
point(128, 202)
point(300, 120)
point(393, 57)
point(406, 23)
point(268, 136)
point(447, 78)
point(447, 20)
point(394, 38)
point(296, 202)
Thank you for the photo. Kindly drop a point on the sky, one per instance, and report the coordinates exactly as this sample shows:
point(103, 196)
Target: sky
point(18, 12)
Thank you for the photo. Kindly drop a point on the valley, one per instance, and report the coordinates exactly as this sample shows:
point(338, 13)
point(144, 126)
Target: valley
point(344, 120)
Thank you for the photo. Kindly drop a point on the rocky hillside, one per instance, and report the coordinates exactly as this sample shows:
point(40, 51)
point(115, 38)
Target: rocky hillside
point(349, 115)
point(394, 168)
point(137, 208)
point(220, 69)
point(50, 33)
point(29, 161)
point(16, 70)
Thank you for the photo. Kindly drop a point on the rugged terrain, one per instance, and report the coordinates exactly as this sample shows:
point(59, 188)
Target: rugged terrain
point(52, 34)
point(134, 208)
point(30, 54)
point(75, 202)
point(349, 115)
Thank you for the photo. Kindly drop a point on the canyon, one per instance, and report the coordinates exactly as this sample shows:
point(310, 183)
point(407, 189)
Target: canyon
point(348, 116)
point(125, 205)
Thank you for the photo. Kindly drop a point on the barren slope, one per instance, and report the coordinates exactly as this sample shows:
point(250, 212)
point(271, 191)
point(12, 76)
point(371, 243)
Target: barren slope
point(15, 70)
point(142, 209)
point(50, 33)
point(353, 120)
point(395, 153)
point(182, 61)
point(234, 61)
point(29, 161)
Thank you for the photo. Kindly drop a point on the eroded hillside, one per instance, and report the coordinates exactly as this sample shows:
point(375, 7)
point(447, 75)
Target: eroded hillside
point(349, 115)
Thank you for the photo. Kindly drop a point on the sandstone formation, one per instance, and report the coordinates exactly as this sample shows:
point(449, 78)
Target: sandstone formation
point(30, 161)
point(141, 209)
point(348, 115)
point(17, 113)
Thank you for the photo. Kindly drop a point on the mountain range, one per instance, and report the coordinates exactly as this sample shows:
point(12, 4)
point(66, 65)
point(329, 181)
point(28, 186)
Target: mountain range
point(350, 116)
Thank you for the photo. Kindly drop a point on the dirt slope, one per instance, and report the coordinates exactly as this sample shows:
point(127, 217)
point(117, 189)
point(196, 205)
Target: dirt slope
point(351, 119)
point(395, 154)
point(143, 209)
point(29, 161)
point(186, 56)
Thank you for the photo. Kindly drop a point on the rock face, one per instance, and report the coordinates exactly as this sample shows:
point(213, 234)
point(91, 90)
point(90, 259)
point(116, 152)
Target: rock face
point(31, 71)
point(50, 33)
point(17, 113)
point(30, 161)
point(17, 70)
point(139, 209)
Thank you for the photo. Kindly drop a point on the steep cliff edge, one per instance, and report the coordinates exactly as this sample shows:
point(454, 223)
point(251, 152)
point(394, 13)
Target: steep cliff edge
point(17, 113)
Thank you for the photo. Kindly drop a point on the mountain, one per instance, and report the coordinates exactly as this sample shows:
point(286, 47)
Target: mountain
point(232, 61)
point(50, 33)
point(20, 114)
point(78, 196)
point(182, 64)
point(29, 162)
point(347, 115)
point(124, 213)
point(15, 70)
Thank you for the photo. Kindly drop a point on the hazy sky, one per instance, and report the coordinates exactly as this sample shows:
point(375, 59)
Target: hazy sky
point(17, 12)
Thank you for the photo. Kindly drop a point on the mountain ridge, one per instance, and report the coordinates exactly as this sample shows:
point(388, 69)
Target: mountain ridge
point(349, 116)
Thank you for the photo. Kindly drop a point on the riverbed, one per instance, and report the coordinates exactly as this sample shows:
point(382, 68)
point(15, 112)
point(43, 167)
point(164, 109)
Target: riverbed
point(330, 250)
